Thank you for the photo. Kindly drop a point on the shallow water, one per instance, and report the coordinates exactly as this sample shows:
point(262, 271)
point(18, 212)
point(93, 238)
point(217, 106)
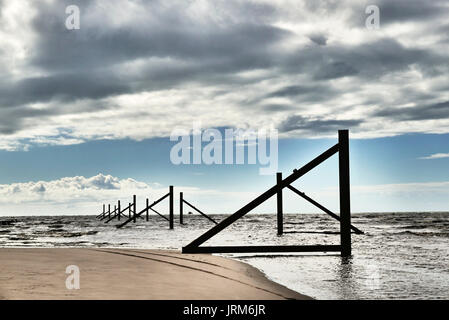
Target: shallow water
point(400, 256)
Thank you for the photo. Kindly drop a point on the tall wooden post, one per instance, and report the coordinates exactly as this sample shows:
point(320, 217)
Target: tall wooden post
point(280, 213)
point(181, 203)
point(109, 211)
point(147, 205)
point(171, 207)
point(118, 208)
point(129, 210)
point(345, 207)
point(134, 208)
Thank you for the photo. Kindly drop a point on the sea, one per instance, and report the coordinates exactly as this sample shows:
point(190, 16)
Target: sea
point(399, 256)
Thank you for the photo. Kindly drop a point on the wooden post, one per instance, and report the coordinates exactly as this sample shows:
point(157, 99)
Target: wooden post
point(181, 202)
point(147, 205)
point(109, 211)
point(129, 210)
point(134, 208)
point(345, 207)
point(171, 207)
point(118, 205)
point(280, 213)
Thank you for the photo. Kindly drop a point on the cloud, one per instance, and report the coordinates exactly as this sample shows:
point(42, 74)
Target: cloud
point(138, 69)
point(66, 189)
point(428, 112)
point(401, 11)
point(85, 195)
point(73, 195)
point(304, 124)
point(319, 39)
point(335, 70)
point(412, 187)
point(415, 10)
point(303, 93)
point(436, 156)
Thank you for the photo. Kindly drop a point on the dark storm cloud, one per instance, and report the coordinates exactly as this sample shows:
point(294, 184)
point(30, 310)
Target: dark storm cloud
point(400, 11)
point(292, 91)
point(444, 31)
point(277, 107)
point(367, 60)
point(319, 39)
point(83, 63)
point(303, 93)
point(411, 10)
point(429, 112)
point(13, 120)
point(61, 50)
point(170, 35)
point(9, 127)
point(61, 87)
point(171, 49)
point(298, 122)
point(335, 70)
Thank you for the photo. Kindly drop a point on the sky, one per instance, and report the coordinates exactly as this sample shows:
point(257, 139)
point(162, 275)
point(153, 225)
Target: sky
point(86, 115)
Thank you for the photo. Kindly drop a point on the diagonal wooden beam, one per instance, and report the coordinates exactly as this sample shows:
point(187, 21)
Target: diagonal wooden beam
point(109, 213)
point(120, 213)
point(316, 204)
point(159, 213)
point(200, 212)
point(103, 213)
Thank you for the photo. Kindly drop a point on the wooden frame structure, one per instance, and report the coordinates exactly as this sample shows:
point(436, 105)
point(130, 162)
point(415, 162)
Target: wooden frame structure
point(148, 207)
point(342, 148)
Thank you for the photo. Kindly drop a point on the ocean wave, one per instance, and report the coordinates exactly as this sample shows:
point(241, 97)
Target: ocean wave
point(424, 234)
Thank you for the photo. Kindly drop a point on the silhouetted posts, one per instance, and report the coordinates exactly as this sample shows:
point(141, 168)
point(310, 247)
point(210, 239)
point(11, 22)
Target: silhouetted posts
point(134, 208)
point(181, 207)
point(280, 218)
point(129, 210)
point(345, 207)
point(119, 210)
point(109, 211)
point(147, 206)
point(171, 207)
point(344, 247)
point(145, 210)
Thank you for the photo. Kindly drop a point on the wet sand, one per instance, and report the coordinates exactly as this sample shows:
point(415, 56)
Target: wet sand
point(38, 273)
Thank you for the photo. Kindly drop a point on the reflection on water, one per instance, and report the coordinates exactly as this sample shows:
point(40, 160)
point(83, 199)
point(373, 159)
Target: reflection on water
point(401, 255)
point(344, 274)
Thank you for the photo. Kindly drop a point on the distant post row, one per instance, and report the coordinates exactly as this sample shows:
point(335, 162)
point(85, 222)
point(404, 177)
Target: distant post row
point(133, 215)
